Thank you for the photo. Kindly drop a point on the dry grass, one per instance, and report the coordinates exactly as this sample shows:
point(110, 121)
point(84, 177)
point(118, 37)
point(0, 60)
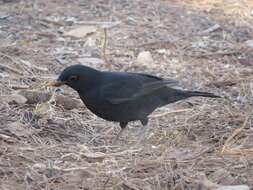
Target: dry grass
point(56, 143)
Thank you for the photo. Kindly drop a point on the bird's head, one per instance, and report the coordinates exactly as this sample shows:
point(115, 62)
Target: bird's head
point(78, 77)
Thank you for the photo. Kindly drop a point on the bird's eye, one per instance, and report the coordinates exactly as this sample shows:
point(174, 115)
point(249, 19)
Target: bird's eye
point(73, 78)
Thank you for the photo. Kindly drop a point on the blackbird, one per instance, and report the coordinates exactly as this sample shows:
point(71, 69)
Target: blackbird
point(121, 96)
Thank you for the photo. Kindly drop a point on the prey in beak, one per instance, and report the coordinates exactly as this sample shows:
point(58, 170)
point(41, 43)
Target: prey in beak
point(55, 83)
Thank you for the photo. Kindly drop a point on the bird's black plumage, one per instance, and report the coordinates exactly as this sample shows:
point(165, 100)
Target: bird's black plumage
point(121, 96)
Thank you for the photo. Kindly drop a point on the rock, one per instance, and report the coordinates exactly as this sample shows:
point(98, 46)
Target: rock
point(145, 58)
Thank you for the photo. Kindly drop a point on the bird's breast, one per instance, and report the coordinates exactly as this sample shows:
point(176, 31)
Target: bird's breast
point(128, 111)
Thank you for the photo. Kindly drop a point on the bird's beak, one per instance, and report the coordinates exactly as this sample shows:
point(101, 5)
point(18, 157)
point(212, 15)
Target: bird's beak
point(55, 83)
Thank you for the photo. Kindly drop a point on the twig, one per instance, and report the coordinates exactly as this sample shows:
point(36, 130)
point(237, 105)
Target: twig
point(213, 54)
point(106, 182)
point(209, 30)
point(9, 57)
point(102, 24)
point(29, 65)
point(19, 87)
point(57, 23)
point(10, 69)
point(74, 169)
point(228, 142)
point(5, 137)
point(237, 151)
point(44, 34)
point(104, 45)
point(171, 44)
point(169, 112)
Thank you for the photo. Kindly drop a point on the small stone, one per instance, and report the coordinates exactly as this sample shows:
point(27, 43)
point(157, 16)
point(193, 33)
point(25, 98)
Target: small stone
point(161, 51)
point(249, 43)
point(39, 166)
point(145, 58)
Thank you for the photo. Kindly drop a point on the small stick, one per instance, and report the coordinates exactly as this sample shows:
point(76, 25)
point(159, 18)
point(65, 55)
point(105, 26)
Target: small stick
point(106, 182)
point(10, 69)
point(9, 57)
point(19, 87)
point(169, 112)
point(211, 29)
point(214, 54)
point(234, 134)
point(104, 45)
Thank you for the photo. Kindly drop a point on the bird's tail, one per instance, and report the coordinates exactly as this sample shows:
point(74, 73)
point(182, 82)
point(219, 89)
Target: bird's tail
point(204, 94)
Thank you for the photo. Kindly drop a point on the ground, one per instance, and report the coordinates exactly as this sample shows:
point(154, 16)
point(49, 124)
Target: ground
point(49, 140)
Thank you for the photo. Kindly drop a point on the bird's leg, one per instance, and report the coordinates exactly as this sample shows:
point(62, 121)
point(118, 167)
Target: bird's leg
point(143, 130)
point(122, 126)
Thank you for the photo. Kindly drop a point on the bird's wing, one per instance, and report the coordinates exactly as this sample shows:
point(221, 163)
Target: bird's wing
point(127, 90)
point(147, 76)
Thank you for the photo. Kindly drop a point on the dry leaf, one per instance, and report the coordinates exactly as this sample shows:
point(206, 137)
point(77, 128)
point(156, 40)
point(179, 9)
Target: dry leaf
point(67, 102)
point(39, 167)
point(221, 176)
point(20, 129)
point(210, 185)
point(94, 155)
point(127, 185)
point(14, 98)
point(26, 97)
point(221, 84)
point(34, 97)
point(82, 172)
point(234, 187)
point(81, 32)
point(42, 109)
point(7, 138)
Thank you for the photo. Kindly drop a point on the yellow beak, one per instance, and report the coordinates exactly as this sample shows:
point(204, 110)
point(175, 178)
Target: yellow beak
point(54, 84)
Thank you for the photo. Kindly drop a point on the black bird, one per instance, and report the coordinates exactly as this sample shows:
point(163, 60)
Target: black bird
point(120, 96)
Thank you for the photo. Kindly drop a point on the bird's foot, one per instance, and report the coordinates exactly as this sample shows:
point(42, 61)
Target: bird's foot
point(116, 139)
point(142, 135)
